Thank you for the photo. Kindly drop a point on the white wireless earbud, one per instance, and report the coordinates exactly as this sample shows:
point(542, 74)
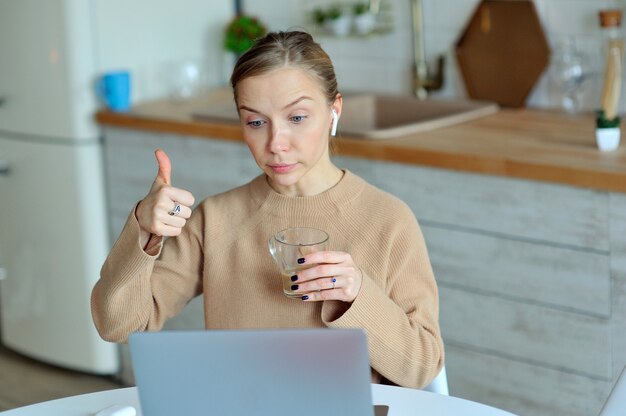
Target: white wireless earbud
point(333, 129)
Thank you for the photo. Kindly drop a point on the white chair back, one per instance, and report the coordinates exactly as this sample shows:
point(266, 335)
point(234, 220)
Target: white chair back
point(440, 383)
point(615, 404)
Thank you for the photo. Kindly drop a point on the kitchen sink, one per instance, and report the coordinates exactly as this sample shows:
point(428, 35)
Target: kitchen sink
point(376, 116)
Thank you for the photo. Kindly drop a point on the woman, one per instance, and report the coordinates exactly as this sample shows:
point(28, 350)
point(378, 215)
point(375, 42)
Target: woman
point(376, 275)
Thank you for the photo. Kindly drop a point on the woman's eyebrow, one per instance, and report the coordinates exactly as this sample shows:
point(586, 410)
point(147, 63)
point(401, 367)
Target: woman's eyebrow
point(291, 104)
point(304, 97)
point(245, 107)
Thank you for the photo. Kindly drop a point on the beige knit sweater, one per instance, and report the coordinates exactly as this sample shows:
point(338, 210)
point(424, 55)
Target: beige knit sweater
point(222, 254)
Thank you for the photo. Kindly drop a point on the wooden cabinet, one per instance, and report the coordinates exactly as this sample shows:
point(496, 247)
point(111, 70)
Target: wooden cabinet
point(532, 276)
point(532, 284)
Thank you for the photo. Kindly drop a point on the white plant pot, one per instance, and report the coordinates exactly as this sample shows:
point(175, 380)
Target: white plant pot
point(607, 139)
point(340, 26)
point(364, 23)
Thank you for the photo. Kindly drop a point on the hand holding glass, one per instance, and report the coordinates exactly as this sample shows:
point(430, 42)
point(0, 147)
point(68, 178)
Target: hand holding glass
point(291, 244)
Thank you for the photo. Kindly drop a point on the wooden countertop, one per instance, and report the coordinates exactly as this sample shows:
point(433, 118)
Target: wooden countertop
point(519, 143)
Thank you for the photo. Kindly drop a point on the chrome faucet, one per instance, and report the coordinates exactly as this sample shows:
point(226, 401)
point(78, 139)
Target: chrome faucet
point(423, 82)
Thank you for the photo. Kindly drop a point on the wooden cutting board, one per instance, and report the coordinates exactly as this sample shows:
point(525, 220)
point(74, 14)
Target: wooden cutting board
point(502, 52)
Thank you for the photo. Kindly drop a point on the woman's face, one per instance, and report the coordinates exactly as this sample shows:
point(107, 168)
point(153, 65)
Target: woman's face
point(286, 122)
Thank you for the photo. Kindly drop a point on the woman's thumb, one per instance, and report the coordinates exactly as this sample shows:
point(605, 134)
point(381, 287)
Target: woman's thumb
point(165, 166)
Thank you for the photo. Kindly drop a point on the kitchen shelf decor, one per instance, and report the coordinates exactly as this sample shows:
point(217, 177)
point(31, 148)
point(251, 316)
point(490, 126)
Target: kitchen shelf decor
point(608, 120)
point(241, 33)
point(353, 20)
point(239, 36)
point(502, 52)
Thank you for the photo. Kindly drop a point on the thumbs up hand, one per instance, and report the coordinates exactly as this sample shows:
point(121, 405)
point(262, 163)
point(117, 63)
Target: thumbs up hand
point(165, 210)
point(165, 167)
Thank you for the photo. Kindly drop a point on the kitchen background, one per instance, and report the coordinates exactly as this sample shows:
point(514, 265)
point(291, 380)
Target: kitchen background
point(154, 38)
point(170, 36)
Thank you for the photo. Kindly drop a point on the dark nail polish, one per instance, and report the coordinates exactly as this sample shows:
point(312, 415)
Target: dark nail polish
point(294, 287)
point(294, 277)
point(305, 297)
point(301, 260)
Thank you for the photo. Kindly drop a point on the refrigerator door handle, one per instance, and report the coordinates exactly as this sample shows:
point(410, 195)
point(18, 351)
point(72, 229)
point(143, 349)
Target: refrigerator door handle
point(4, 168)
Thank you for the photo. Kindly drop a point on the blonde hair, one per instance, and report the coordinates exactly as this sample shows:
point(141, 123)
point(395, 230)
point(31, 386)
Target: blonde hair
point(280, 49)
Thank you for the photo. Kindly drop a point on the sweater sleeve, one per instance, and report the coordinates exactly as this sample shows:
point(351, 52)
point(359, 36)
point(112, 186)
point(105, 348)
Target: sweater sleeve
point(400, 319)
point(137, 289)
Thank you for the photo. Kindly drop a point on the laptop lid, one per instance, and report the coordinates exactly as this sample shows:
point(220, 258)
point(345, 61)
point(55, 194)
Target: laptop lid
point(615, 404)
point(305, 372)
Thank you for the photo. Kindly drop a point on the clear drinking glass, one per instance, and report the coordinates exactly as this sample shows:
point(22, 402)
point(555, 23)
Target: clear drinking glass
point(187, 79)
point(288, 245)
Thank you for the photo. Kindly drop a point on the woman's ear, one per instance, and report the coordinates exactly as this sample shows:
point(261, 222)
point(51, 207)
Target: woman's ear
point(338, 104)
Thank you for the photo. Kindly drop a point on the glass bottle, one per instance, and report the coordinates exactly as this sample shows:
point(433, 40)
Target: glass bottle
point(613, 50)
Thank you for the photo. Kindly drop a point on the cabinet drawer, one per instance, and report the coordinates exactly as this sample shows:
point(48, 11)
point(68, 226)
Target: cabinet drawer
point(559, 277)
point(526, 332)
point(522, 388)
point(525, 209)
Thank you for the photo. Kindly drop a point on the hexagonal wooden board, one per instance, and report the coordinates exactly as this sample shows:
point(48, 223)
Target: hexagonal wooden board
point(502, 52)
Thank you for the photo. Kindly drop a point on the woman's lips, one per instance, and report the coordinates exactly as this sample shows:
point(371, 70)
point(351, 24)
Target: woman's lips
point(282, 168)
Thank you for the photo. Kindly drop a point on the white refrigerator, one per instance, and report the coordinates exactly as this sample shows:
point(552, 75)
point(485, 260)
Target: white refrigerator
point(53, 228)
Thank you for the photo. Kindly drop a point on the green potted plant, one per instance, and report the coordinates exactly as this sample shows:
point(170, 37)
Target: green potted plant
point(337, 21)
point(364, 20)
point(319, 16)
point(239, 36)
point(607, 131)
point(241, 32)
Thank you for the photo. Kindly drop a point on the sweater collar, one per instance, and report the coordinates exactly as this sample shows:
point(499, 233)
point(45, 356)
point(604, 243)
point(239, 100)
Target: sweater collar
point(348, 188)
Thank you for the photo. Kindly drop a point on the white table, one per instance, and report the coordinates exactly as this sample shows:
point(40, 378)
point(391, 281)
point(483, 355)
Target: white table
point(401, 402)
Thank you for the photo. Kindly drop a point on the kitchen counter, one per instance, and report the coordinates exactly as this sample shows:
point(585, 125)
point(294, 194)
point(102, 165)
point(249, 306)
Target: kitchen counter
point(539, 145)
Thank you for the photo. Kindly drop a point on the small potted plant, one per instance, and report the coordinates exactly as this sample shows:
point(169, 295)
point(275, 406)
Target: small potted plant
point(364, 20)
point(241, 33)
point(239, 36)
point(319, 16)
point(338, 22)
point(607, 131)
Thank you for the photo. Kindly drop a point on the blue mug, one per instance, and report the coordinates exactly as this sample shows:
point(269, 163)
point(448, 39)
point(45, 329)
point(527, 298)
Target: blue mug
point(113, 88)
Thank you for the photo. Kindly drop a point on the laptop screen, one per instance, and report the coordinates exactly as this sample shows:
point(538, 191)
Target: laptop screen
point(305, 372)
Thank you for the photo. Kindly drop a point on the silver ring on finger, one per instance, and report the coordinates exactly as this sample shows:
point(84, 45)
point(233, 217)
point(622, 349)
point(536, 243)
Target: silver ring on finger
point(333, 280)
point(176, 210)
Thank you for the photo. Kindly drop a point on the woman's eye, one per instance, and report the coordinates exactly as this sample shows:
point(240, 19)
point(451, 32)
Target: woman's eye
point(298, 119)
point(256, 123)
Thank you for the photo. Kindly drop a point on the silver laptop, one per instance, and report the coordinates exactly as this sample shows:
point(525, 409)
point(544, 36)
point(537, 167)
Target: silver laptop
point(615, 404)
point(304, 372)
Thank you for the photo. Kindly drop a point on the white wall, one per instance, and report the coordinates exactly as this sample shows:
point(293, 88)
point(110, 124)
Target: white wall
point(149, 36)
point(383, 63)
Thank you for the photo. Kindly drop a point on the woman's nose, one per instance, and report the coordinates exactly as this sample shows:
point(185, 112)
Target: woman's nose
point(279, 142)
